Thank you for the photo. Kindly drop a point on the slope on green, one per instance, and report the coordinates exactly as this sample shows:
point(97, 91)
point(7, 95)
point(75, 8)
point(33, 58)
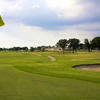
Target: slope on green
point(17, 85)
point(26, 76)
point(62, 67)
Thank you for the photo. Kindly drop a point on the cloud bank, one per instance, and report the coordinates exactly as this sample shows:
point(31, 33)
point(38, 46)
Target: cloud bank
point(44, 22)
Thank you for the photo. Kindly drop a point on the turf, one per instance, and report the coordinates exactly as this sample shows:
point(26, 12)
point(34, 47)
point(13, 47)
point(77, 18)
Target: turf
point(27, 76)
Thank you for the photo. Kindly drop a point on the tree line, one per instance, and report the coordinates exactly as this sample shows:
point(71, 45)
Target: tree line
point(26, 49)
point(75, 44)
point(72, 44)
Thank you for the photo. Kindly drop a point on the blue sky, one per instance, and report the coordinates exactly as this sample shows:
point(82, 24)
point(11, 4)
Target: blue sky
point(44, 22)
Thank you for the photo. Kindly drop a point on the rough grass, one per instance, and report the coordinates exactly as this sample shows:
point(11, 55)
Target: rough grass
point(26, 76)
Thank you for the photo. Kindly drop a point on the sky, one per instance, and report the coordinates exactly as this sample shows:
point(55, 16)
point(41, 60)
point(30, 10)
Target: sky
point(44, 22)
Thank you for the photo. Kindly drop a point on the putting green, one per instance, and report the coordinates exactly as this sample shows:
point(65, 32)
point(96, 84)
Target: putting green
point(21, 84)
point(18, 85)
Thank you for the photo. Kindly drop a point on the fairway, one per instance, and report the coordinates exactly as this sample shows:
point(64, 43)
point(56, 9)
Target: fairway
point(34, 76)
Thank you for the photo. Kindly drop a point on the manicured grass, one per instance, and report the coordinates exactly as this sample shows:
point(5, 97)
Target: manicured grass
point(27, 76)
point(62, 67)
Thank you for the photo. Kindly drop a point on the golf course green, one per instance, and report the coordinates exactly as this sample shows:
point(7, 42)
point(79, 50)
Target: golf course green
point(48, 76)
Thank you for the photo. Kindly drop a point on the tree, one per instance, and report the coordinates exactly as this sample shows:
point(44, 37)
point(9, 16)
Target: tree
point(38, 48)
point(1, 21)
point(62, 44)
point(43, 49)
point(16, 48)
point(87, 45)
point(81, 46)
point(24, 48)
point(32, 49)
point(74, 44)
point(95, 43)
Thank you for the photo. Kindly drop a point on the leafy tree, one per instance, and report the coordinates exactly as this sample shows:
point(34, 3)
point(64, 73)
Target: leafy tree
point(62, 44)
point(16, 48)
point(1, 21)
point(43, 49)
point(32, 49)
point(1, 49)
point(39, 48)
point(81, 46)
point(74, 44)
point(87, 45)
point(24, 48)
point(95, 43)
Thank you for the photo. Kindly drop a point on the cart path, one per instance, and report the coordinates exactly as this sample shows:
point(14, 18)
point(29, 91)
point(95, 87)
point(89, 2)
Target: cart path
point(52, 58)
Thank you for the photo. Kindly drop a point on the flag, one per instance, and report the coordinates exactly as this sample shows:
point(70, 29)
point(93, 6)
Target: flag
point(1, 21)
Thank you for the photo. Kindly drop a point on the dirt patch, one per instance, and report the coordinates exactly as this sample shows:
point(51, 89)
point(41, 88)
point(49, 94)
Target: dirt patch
point(93, 67)
point(52, 58)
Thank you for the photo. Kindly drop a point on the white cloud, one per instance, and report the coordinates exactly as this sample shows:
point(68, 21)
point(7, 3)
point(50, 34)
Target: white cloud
point(79, 34)
point(36, 6)
point(37, 35)
point(65, 8)
point(10, 7)
point(34, 36)
point(89, 26)
point(7, 40)
point(18, 34)
point(15, 34)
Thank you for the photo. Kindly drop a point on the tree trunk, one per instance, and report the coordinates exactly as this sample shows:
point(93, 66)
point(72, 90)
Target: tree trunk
point(63, 51)
point(73, 50)
point(89, 49)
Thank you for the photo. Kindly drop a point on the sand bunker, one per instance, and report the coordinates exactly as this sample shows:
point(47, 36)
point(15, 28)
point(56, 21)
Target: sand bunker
point(93, 67)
